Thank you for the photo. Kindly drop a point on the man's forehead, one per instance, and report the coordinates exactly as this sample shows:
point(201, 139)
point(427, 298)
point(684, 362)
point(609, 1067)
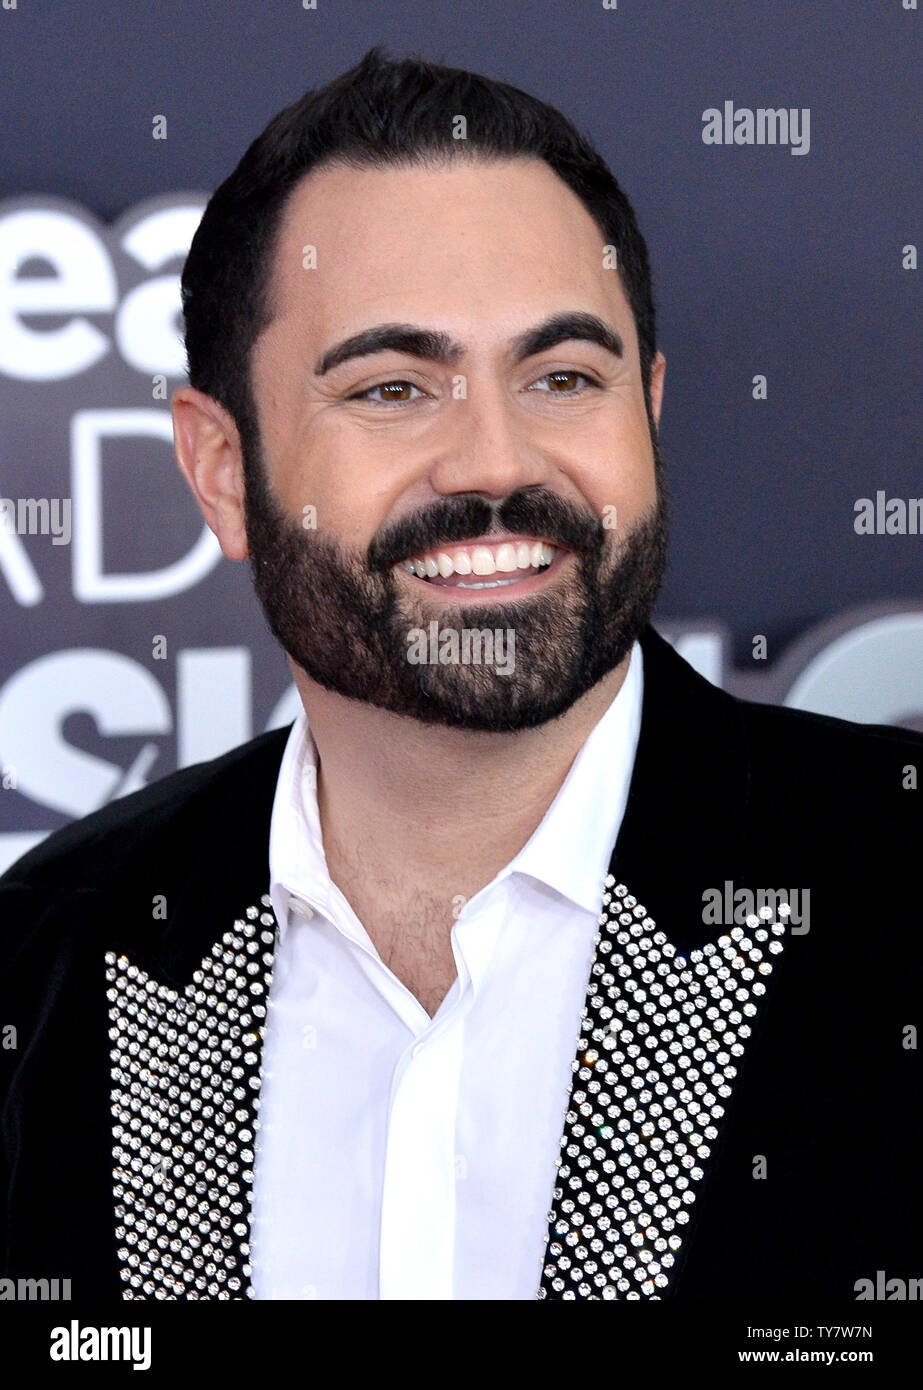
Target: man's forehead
point(357, 246)
point(358, 191)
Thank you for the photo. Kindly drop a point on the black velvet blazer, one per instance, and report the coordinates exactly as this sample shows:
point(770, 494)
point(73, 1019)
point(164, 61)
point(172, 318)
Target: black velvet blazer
point(744, 1113)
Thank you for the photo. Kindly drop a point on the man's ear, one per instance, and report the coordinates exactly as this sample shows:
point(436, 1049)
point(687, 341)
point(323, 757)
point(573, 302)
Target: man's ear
point(658, 370)
point(208, 450)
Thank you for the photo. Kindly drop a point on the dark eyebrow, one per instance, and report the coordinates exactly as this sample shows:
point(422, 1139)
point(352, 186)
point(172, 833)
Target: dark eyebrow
point(436, 346)
point(393, 337)
point(561, 328)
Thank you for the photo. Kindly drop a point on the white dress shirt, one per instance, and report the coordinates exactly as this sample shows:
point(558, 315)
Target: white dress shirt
point(408, 1157)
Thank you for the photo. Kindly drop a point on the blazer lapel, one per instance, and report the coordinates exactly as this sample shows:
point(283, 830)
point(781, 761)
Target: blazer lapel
point(185, 1082)
point(661, 1042)
point(671, 1004)
point(187, 1017)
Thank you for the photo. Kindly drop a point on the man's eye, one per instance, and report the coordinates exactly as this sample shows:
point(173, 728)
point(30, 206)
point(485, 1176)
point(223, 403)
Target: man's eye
point(560, 383)
point(393, 392)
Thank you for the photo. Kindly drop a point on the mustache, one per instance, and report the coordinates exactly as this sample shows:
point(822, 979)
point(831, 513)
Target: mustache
point(530, 511)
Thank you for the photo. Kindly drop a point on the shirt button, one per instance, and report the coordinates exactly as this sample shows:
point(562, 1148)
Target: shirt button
point(301, 909)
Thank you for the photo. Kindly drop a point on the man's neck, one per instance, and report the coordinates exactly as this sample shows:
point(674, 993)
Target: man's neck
point(437, 805)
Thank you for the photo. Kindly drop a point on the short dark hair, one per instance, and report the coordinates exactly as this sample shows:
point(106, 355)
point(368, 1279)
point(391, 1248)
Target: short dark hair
point(378, 114)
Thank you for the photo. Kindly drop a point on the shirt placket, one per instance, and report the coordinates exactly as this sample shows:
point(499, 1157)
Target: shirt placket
point(417, 1249)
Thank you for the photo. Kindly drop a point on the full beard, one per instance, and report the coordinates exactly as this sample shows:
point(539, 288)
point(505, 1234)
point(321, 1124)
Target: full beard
point(347, 622)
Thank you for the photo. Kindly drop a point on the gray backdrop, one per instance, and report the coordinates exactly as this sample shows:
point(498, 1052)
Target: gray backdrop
point(788, 297)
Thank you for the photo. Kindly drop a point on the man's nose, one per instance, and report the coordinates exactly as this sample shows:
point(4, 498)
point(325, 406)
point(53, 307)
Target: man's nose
point(490, 450)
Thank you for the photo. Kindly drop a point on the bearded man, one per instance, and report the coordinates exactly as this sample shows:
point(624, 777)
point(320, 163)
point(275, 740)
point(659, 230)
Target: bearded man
point(436, 1008)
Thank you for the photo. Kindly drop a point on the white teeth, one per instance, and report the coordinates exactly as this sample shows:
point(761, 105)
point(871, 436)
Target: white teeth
point(482, 560)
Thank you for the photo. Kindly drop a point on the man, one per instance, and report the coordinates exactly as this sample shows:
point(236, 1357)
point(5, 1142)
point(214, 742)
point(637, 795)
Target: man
point(524, 967)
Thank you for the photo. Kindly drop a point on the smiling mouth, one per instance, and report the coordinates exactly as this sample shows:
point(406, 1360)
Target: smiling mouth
point(487, 564)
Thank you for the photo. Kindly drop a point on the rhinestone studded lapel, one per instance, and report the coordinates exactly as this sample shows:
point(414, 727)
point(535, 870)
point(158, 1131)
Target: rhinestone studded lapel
point(660, 1038)
point(185, 1080)
point(657, 1055)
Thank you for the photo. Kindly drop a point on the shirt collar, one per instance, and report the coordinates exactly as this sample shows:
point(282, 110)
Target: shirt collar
point(571, 848)
point(297, 863)
point(569, 851)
